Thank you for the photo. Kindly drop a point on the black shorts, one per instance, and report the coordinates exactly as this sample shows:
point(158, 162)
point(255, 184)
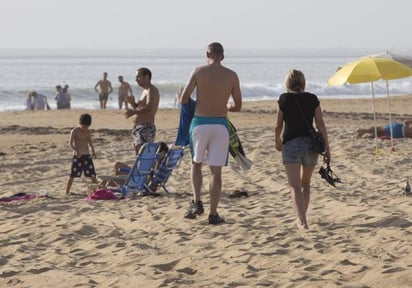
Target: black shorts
point(103, 96)
point(82, 164)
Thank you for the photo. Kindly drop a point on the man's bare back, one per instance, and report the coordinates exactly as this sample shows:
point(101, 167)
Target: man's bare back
point(80, 139)
point(214, 84)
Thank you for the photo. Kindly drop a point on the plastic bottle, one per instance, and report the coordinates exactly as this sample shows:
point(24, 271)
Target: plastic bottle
point(407, 188)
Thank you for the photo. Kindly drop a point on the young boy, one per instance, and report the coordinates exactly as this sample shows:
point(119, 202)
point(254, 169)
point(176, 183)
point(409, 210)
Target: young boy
point(79, 142)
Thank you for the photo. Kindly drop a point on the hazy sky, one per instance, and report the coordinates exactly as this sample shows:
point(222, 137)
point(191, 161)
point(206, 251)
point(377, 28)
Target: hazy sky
point(194, 23)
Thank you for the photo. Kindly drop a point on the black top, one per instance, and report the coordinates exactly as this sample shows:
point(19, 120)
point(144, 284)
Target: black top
point(295, 125)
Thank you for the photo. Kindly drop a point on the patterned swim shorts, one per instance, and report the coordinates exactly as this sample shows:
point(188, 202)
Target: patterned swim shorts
point(82, 164)
point(143, 133)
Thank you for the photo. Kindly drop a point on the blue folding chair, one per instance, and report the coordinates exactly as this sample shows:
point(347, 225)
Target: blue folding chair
point(140, 173)
point(162, 173)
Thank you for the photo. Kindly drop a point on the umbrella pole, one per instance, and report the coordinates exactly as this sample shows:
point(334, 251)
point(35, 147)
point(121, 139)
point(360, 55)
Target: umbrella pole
point(374, 119)
point(390, 115)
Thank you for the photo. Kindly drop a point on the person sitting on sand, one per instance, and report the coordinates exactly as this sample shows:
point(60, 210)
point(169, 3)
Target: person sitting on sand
point(121, 168)
point(399, 130)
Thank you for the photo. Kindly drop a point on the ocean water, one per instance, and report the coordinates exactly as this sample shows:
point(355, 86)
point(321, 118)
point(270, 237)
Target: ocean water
point(261, 73)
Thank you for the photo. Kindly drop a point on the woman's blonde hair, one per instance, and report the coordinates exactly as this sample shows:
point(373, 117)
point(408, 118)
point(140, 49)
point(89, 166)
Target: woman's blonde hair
point(295, 81)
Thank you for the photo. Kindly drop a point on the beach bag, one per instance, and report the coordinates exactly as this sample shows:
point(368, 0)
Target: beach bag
point(318, 142)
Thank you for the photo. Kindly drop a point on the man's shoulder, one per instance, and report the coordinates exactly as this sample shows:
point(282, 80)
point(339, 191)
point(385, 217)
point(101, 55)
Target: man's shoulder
point(153, 88)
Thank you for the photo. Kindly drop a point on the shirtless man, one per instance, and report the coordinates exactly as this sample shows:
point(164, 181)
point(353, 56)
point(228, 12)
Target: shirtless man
point(124, 91)
point(105, 88)
point(144, 129)
point(214, 84)
point(399, 130)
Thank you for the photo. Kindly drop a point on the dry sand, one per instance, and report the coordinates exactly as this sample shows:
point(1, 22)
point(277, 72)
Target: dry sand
point(359, 236)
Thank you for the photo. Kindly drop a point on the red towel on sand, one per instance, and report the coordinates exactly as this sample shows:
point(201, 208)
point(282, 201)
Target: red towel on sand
point(101, 194)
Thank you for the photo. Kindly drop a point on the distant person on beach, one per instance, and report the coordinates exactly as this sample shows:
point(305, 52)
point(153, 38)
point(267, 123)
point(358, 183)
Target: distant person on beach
point(79, 142)
point(61, 98)
point(29, 102)
point(67, 97)
point(104, 88)
point(209, 134)
point(294, 106)
point(124, 91)
point(399, 130)
point(144, 110)
point(177, 96)
point(40, 101)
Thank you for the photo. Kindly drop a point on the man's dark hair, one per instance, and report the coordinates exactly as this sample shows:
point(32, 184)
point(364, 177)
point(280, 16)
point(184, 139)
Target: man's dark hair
point(215, 49)
point(145, 72)
point(85, 119)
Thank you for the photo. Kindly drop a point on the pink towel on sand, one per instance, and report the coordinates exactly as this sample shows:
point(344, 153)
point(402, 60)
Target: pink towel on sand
point(101, 194)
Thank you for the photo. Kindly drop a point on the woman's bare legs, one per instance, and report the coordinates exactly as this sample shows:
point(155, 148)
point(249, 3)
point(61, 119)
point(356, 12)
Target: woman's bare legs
point(299, 185)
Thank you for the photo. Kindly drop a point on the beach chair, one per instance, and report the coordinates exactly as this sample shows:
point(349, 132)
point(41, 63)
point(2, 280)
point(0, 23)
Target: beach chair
point(138, 175)
point(165, 168)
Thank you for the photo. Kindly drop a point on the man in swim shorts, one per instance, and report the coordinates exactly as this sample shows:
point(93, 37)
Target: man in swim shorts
point(124, 91)
point(209, 135)
point(144, 129)
point(104, 88)
point(399, 130)
point(142, 133)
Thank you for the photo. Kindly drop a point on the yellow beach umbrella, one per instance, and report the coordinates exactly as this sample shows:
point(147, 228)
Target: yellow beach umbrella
point(371, 69)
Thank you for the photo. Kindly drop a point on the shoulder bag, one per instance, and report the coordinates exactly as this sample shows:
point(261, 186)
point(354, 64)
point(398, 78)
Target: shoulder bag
point(317, 140)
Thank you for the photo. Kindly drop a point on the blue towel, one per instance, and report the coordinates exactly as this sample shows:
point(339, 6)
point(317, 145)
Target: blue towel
point(187, 111)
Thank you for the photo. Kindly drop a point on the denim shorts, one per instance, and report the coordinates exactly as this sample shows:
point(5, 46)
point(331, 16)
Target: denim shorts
point(297, 151)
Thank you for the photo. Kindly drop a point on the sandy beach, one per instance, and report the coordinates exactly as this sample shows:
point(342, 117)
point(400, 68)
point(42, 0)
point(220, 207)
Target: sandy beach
point(360, 232)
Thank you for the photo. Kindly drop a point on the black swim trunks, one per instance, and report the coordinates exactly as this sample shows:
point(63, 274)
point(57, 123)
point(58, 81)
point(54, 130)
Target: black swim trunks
point(82, 164)
point(103, 96)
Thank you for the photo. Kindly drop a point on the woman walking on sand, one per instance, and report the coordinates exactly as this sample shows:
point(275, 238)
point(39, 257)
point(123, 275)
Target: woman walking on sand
point(296, 109)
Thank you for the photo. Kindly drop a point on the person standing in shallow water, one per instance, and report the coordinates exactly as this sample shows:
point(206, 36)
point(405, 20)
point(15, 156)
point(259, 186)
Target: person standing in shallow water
point(104, 88)
point(295, 143)
point(124, 91)
point(209, 135)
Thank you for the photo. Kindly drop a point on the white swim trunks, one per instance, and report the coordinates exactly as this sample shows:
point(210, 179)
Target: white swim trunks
point(209, 140)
